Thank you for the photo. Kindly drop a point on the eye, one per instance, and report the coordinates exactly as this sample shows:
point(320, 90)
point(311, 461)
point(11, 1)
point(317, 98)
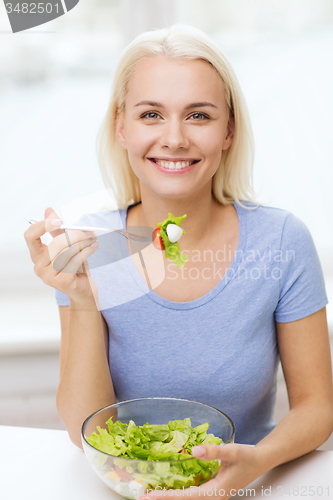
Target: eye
point(150, 114)
point(199, 116)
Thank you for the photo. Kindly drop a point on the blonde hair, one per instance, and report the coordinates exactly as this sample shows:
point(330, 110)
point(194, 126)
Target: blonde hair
point(233, 179)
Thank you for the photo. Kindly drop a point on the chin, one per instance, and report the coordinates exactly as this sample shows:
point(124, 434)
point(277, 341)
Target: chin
point(172, 195)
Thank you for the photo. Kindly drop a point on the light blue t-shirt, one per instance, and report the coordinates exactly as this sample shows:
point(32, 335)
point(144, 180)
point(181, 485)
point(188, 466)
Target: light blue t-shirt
point(220, 349)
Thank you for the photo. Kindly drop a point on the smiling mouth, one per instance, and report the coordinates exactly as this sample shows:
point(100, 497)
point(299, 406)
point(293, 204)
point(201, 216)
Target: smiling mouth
point(173, 165)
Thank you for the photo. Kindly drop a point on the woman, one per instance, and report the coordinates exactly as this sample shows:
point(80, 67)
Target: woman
point(177, 138)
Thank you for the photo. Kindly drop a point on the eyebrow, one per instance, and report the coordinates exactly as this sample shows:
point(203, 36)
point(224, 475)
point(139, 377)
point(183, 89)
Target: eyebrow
point(192, 105)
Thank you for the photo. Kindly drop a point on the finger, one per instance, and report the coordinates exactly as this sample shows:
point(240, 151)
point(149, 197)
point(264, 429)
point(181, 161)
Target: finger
point(48, 273)
point(210, 451)
point(79, 259)
point(34, 233)
point(61, 260)
point(59, 246)
point(64, 241)
point(226, 454)
point(50, 214)
point(32, 237)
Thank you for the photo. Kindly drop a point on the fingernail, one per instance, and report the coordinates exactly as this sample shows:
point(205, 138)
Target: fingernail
point(56, 222)
point(95, 244)
point(198, 451)
point(91, 233)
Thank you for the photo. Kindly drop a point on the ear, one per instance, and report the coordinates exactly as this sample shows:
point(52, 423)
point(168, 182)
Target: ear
point(230, 135)
point(120, 129)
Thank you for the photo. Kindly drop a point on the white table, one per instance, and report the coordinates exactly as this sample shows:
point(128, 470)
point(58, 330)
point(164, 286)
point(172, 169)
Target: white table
point(42, 464)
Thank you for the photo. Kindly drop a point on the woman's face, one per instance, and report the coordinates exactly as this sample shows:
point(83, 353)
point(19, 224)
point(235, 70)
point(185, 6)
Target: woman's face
point(175, 125)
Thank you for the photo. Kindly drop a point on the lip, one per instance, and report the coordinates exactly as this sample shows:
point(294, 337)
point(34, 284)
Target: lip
point(172, 159)
point(174, 171)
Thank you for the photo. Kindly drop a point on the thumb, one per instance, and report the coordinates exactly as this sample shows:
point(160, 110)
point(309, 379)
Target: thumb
point(50, 214)
point(210, 451)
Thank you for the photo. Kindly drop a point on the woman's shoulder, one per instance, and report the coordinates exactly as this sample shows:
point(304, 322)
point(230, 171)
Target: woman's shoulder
point(259, 210)
point(268, 214)
point(269, 221)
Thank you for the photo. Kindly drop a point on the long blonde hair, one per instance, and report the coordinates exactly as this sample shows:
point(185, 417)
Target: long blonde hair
point(233, 179)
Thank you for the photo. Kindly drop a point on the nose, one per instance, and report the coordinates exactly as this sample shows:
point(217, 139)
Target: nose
point(174, 135)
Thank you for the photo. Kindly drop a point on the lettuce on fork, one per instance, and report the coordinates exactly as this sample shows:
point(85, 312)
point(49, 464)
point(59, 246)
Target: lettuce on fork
point(172, 250)
point(164, 451)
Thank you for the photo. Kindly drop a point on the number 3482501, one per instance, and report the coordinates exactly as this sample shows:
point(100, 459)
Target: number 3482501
point(303, 491)
point(32, 8)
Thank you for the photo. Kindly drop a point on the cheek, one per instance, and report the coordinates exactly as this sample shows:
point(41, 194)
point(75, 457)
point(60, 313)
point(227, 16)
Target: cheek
point(210, 141)
point(141, 139)
point(139, 143)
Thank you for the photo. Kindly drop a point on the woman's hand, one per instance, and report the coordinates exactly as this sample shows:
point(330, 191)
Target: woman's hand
point(240, 465)
point(62, 264)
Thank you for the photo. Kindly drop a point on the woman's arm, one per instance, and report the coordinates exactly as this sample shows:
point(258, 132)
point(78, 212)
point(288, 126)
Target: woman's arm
point(85, 380)
point(306, 362)
point(64, 324)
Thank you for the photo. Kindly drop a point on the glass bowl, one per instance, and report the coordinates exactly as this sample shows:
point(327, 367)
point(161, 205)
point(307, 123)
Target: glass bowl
point(132, 478)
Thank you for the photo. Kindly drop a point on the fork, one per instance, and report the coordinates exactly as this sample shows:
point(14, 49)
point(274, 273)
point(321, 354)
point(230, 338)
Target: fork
point(130, 236)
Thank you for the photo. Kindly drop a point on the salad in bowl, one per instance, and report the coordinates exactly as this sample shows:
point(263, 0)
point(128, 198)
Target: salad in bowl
point(133, 456)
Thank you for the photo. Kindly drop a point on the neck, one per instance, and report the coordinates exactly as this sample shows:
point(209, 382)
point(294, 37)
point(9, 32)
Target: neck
point(200, 219)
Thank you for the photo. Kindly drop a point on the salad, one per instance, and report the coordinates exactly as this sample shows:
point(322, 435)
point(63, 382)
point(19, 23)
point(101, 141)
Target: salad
point(161, 455)
point(166, 236)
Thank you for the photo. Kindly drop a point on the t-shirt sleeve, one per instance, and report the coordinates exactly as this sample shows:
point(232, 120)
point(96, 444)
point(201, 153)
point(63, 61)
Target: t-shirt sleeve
point(302, 286)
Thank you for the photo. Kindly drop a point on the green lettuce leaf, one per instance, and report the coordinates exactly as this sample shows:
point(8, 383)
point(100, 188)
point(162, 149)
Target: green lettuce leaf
point(172, 250)
point(163, 452)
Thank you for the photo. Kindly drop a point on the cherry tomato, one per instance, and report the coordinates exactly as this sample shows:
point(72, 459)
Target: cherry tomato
point(157, 239)
point(123, 474)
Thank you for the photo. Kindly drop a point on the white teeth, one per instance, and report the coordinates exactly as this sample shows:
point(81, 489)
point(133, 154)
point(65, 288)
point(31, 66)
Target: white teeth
point(172, 165)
